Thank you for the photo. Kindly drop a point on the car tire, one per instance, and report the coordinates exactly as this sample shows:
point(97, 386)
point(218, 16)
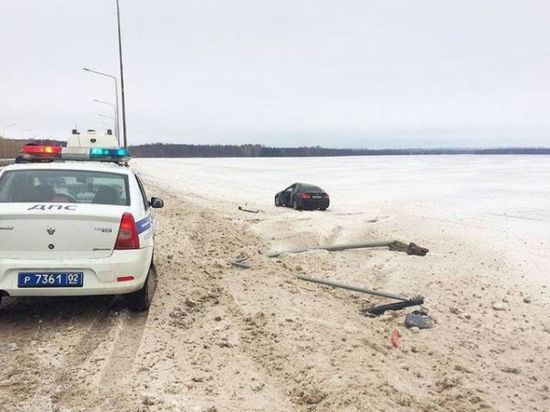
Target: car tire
point(323, 209)
point(295, 205)
point(277, 201)
point(140, 300)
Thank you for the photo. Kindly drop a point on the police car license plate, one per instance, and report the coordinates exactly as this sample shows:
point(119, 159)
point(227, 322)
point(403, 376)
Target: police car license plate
point(50, 280)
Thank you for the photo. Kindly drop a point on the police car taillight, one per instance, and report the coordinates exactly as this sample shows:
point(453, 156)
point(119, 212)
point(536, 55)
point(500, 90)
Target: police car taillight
point(128, 237)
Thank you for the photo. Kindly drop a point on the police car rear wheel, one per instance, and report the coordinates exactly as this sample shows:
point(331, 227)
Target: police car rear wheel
point(140, 300)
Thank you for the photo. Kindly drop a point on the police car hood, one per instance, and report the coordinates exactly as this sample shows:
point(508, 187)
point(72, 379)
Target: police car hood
point(58, 230)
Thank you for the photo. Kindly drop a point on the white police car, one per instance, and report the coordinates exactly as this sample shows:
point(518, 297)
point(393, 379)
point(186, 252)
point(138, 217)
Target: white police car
point(76, 221)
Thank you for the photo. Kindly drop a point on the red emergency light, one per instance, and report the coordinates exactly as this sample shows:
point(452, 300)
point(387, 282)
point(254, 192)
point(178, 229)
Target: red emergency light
point(32, 152)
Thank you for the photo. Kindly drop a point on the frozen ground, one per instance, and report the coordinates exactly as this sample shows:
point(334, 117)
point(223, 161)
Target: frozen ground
point(504, 199)
point(512, 187)
point(223, 338)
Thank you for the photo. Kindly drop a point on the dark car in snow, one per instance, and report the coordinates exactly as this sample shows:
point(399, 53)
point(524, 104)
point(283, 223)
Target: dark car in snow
point(303, 196)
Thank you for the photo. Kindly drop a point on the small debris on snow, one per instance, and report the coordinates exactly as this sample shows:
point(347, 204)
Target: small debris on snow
point(395, 338)
point(190, 303)
point(309, 395)
point(148, 400)
point(499, 306)
point(448, 382)
point(462, 368)
point(455, 310)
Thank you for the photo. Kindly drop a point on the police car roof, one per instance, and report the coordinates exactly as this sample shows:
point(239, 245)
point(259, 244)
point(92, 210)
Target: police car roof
point(71, 165)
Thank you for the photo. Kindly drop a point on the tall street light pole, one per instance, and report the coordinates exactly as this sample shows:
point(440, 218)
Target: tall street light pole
point(121, 76)
point(116, 96)
point(115, 107)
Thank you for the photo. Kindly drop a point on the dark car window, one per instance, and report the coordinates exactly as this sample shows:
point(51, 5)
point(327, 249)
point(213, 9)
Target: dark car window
point(311, 188)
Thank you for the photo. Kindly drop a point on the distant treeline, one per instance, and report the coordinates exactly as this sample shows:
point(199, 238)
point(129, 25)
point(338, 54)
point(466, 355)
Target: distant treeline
point(256, 150)
point(9, 148)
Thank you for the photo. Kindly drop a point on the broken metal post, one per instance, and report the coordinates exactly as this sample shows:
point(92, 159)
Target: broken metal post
point(353, 288)
point(410, 249)
point(375, 310)
point(335, 248)
point(242, 209)
point(240, 265)
point(380, 309)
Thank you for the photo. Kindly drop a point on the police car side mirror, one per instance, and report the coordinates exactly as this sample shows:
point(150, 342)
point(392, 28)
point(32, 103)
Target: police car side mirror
point(156, 203)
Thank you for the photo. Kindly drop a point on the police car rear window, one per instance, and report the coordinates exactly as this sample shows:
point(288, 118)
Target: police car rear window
point(64, 186)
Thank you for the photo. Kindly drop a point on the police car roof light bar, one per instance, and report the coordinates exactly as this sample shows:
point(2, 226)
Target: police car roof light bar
point(98, 154)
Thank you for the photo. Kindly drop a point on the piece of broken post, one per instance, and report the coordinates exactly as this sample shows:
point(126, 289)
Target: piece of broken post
point(248, 210)
point(353, 288)
point(392, 244)
point(240, 265)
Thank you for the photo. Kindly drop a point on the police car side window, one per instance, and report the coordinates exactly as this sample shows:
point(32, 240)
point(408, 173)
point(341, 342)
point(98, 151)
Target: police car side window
point(143, 194)
point(4, 187)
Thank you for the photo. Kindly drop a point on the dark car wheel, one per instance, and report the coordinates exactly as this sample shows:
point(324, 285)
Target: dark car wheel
point(140, 300)
point(323, 209)
point(295, 205)
point(277, 201)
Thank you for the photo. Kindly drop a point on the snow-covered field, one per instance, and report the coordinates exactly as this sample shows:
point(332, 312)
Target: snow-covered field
point(515, 186)
point(503, 198)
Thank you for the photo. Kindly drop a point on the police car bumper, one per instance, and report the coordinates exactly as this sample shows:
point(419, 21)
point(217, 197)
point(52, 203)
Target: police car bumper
point(124, 271)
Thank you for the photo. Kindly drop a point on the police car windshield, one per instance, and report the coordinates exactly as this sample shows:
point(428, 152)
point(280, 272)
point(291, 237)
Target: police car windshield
point(64, 186)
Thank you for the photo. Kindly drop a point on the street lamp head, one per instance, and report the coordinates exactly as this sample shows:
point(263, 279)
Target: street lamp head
point(85, 68)
point(103, 102)
point(104, 115)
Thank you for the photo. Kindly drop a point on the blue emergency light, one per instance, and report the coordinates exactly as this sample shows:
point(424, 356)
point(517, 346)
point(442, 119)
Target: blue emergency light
point(97, 153)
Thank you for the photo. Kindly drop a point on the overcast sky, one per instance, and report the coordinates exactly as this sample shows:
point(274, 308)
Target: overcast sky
point(338, 73)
